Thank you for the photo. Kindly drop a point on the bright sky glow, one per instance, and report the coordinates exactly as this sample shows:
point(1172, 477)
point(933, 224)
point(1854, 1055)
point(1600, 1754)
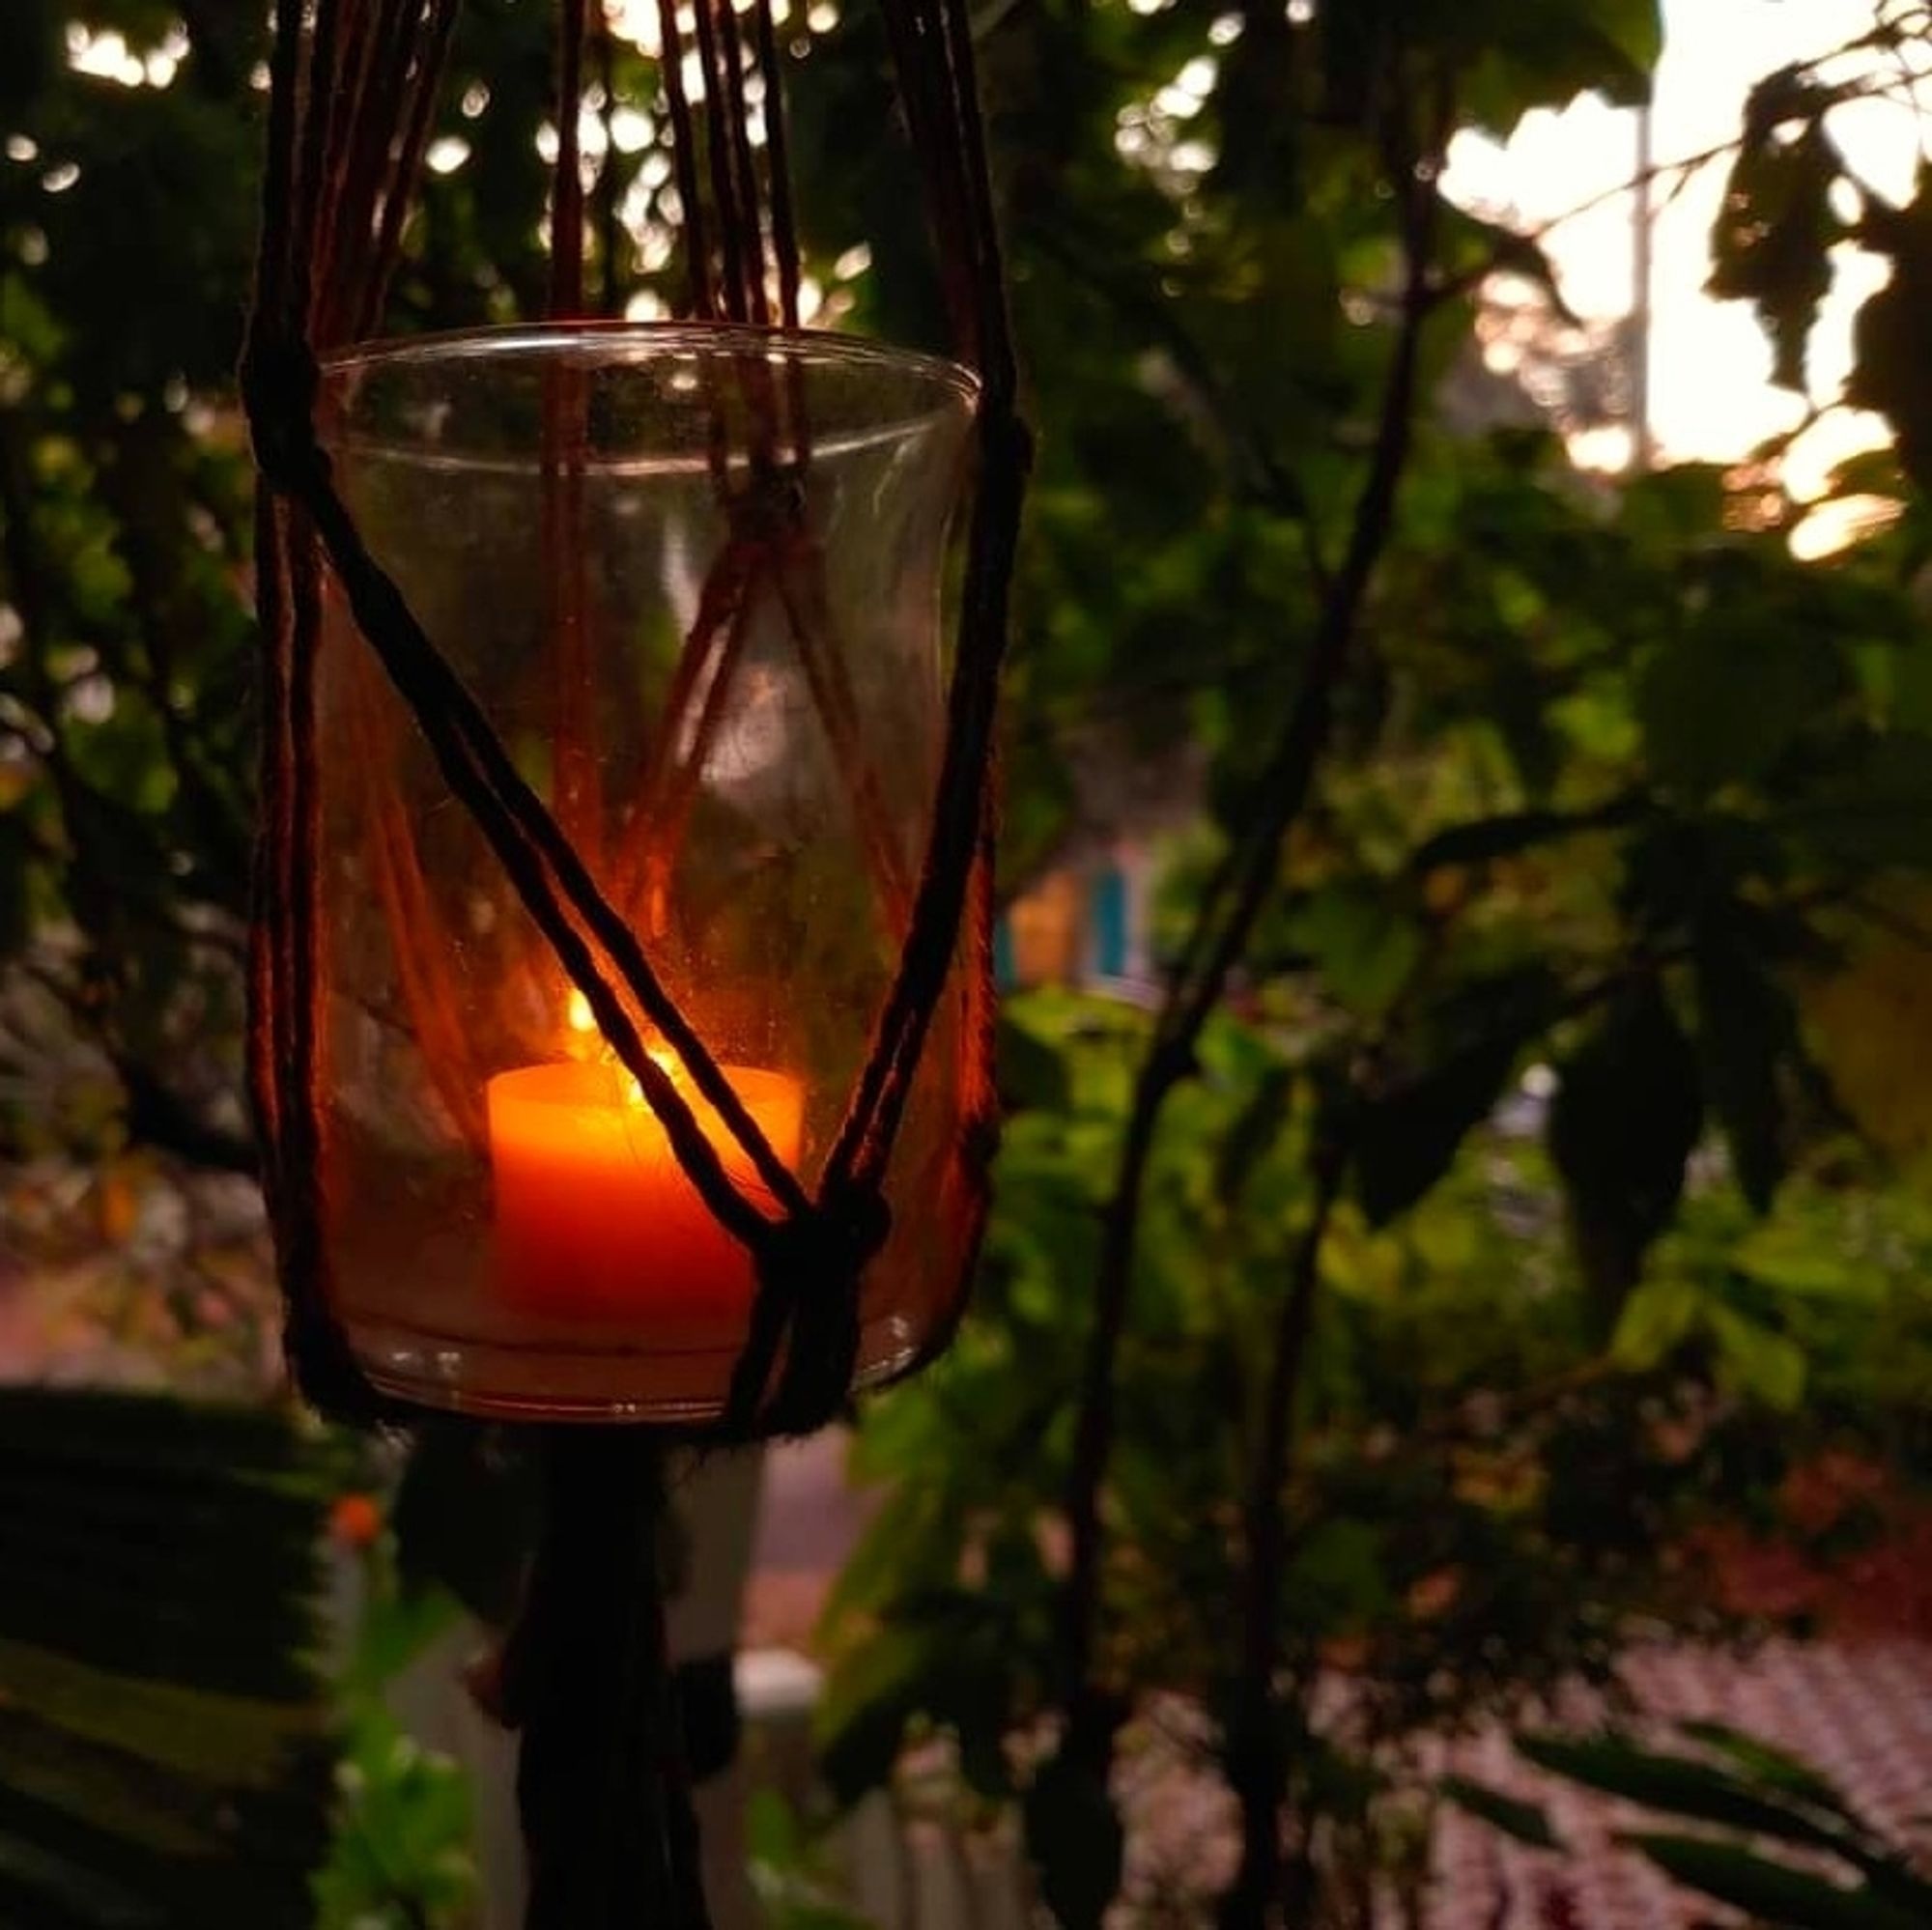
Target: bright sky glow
point(1709, 393)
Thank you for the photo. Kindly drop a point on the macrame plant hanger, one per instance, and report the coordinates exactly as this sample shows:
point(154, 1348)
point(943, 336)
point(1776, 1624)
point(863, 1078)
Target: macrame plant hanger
point(354, 86)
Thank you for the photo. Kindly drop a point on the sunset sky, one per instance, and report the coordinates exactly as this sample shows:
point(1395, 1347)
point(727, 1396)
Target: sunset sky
point(1710, 363)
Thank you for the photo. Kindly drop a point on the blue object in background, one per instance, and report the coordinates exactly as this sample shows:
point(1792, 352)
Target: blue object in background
point(1005, 974)
point(1107, 923)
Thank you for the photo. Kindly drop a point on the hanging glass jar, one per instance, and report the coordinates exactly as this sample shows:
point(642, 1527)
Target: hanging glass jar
point(692, 577)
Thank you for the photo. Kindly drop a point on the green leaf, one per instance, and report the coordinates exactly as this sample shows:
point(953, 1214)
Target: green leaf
point(163, 1730)
point(1875, 813)
point(1657, 1320)
point(395, 1627)
point(1680, 1786)
point(912, 1543)
point(1889, 371)
point(1031, 1068)
point(106, 1499)
point(1511, 833)
point(1747, 1028)
point(1510, 59)
point(1365, 940)
point(871, 1698)
point(1627, 1114)
point(404, 1835)
point(1407, 1139)
point(791, 1890)
point(1765, 1764)
point(1527, 1822)
point(1338, 1575)
point(191, 1733)
point(1802, 1258)
point(1256, 1128)
point(1723, 703)
point(1774, 227)
point(772, 1831)
point(1774, 1892)
point(1755, 1360)
point(1076, 1841)
point(1908, 685)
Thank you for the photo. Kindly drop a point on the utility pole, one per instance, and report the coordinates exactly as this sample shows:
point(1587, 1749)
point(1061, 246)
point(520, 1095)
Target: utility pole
point(1638, 334)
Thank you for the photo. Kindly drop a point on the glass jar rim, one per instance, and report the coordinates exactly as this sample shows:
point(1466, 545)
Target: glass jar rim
point(726, 337)
point(942, 388)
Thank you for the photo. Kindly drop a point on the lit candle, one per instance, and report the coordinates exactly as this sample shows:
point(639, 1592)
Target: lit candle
point(595, 1220)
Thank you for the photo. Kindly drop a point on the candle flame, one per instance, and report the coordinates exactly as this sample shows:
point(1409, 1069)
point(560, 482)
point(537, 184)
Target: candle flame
point(668, 1063)
point(586, 1041)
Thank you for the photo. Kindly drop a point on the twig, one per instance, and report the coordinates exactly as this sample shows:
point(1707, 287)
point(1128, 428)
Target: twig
point(1257, 1767)
point(1680, 171)
point(1220, 937)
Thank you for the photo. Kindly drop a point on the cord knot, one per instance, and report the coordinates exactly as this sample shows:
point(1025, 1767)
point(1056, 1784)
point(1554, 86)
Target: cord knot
point(280, 380)
point(810, 1267)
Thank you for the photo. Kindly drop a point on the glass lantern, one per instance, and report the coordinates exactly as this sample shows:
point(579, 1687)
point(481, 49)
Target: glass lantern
point(693, 577)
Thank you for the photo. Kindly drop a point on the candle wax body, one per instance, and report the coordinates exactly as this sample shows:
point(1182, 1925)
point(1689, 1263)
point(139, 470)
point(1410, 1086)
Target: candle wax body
point(594, 1219)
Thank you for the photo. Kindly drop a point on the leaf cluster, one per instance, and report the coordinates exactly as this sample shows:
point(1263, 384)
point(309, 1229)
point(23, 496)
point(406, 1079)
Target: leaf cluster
point(1770, 1835)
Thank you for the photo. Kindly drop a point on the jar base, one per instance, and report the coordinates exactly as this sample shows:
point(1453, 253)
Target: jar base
point(495, 1381)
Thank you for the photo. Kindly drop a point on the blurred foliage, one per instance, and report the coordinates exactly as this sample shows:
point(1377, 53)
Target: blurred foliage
point(1792, 1852)
point(126, 724)
point(795, 1891)
point(1596, 941)
point(402, 1855)
point(1491, 1491)
point(166, 1743)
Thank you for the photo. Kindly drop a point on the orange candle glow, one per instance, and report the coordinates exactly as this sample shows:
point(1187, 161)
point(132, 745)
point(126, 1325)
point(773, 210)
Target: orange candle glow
point(595, 1220)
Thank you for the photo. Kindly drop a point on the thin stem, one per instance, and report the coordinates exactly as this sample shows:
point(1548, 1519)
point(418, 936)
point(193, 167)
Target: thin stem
point(1220, 938)
point(1256, 1763)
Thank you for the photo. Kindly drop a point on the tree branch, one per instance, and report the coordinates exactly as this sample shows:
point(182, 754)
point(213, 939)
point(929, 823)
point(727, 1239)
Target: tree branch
point(1257, 1766)
point(1220, 936)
